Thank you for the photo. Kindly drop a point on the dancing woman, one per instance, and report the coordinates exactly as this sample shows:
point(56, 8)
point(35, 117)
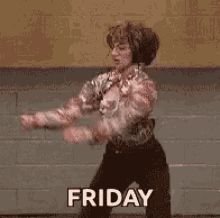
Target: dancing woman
point(125, 97)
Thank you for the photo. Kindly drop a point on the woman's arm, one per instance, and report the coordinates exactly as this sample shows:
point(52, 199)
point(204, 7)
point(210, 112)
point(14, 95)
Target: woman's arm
point(86, 102)
point(137, 104)
point(56, 118)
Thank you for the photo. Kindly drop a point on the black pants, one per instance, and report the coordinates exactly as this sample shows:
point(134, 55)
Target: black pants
point(145, 165)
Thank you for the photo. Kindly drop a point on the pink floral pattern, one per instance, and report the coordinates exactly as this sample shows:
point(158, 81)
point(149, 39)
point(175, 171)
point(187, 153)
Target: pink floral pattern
point(124, 102)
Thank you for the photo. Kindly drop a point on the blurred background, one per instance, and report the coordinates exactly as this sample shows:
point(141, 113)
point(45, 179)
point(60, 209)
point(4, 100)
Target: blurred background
point(49, 48)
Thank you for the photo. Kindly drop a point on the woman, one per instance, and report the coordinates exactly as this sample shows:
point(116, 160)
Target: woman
point(125, 97)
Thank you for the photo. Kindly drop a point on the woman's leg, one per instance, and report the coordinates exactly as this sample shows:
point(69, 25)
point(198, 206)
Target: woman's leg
point(159, 202)
point(111, 174)
point(154, 174)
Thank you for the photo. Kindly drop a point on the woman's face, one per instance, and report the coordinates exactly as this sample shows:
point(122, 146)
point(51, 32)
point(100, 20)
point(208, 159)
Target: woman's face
point(121, 55)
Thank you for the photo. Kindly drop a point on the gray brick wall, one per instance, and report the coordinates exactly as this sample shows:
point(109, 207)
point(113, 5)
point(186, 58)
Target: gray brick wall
point(37, 167)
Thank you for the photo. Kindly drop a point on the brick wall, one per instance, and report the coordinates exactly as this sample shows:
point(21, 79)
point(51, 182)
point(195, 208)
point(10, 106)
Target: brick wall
point(68, 32)
point(37, 167)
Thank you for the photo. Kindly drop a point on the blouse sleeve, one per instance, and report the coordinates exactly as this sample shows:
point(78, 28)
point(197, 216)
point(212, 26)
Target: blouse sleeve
point(139, 103)
point(86, 102)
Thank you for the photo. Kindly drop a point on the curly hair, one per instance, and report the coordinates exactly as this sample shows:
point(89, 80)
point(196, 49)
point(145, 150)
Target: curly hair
point(143, 41)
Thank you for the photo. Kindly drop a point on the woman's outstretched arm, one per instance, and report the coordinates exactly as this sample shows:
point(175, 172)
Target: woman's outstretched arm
point(56, 118)
point(86, 102)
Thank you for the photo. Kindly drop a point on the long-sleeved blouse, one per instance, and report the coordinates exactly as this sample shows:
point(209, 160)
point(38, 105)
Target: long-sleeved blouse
point(124, 100)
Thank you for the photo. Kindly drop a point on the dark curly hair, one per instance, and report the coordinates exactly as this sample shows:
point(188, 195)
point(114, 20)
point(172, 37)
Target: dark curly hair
point(143, 41)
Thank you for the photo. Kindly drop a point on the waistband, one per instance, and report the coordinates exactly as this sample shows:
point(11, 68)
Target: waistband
point(132, 148)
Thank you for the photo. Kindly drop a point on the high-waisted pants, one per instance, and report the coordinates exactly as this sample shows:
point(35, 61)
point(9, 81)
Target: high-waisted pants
point(146, 165)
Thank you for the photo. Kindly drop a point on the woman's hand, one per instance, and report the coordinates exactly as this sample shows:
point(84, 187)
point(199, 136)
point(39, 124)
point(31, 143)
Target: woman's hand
point(77, 135)
point(28, 122)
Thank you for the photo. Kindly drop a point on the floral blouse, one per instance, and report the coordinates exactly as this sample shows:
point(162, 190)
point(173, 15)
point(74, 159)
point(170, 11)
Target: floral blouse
point(124, 102)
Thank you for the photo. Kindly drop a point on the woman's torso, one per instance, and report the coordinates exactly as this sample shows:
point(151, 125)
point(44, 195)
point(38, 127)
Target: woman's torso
point(116, 88)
